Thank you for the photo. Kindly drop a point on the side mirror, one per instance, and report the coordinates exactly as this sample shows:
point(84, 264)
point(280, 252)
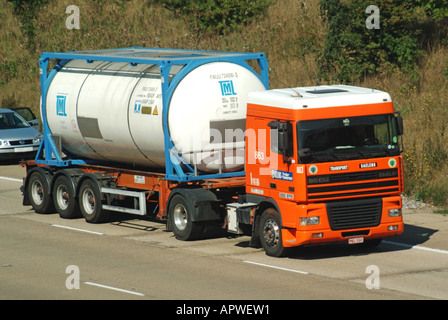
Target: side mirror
point(283, 144)
point(283, 140)
point(399, 122)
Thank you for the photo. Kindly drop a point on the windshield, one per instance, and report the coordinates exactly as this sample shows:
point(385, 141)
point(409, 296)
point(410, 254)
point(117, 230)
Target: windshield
point(11, 120)
point(347, 138)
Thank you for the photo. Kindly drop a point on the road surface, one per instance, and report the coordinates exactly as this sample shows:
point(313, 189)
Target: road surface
point(46, 257)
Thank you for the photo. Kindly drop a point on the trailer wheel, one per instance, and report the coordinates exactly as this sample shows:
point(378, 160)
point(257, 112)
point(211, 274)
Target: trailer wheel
point(64, 198)
point(90, 202)
point(39, 193)
point(270, 233)
point(179, 214)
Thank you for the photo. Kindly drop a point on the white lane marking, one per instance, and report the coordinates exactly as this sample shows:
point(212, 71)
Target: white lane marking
point(114, 288)
point(76, 229)
point(11, 179)
point(410, 246)
point(275, 267)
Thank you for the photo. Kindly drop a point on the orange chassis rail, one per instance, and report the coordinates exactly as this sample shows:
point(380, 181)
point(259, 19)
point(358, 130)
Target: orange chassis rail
point(152, 181)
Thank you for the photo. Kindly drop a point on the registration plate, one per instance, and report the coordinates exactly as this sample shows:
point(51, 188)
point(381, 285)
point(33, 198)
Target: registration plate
point(356, 240)
point(24, 149)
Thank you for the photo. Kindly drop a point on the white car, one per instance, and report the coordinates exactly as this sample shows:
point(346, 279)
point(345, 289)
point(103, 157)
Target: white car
point(17, 138)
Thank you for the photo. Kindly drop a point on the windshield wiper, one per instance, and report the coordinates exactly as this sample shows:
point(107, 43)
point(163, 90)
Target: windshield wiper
point(329, 153)
point(355, 149)
point(345, 153)
point(380, 148)
point(364, 155)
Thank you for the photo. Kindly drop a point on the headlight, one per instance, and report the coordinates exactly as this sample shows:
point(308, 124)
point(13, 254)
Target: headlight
point(309, 221)
point(38, 139)
point(395, 213)
point(4, 143)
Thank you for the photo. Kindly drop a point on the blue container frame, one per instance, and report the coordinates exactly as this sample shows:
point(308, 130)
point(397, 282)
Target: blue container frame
point(48, 153)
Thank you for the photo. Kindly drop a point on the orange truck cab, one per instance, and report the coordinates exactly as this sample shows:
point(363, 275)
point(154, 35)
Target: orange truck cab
point(323, 164)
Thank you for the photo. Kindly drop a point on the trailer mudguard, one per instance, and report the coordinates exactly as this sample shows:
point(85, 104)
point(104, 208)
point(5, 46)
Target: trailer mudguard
point(204, 202)
point(48, 177)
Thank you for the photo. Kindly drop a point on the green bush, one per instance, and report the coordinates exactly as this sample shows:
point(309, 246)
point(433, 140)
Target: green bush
point(352, 52)
point(437, 9)
point(8, 71)
point(26, 11)
point(217, 16)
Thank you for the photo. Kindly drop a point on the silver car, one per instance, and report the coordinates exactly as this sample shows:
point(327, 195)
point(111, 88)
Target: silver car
point(29, 116)
point(17, 138)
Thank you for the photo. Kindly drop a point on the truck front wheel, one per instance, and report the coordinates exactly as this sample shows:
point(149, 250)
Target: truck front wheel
point(270, 233)
point(179, 215)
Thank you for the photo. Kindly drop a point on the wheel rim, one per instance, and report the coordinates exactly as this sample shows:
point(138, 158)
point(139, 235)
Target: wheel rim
point(180, 217)
point(271, 232)
point(88, 201)
point(37, 192)
point(62, 197)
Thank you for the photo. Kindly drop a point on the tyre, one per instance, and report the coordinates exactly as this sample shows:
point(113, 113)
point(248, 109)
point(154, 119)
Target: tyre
point(90, 202)
point(64, 198)
point(180, 218)
point(39, 193)
point(270, 233)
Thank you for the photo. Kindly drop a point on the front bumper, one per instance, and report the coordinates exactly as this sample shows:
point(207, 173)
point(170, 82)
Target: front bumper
point(325, 232)
point(292, 238)
point(18, 152)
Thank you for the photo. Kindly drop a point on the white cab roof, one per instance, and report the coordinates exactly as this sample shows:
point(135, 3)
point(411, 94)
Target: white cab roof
point(318, 97)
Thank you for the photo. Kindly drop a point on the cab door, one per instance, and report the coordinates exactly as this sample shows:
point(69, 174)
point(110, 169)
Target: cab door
point(282, 162)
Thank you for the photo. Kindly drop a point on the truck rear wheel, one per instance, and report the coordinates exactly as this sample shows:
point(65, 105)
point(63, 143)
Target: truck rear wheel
point(181, 221)
point(64, 198)
point(90, 202)
point(270, 233)
point(39, 193)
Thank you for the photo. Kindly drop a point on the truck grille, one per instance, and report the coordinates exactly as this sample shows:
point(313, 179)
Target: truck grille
point(20, 142)
point(354, 214)
point(353, 184)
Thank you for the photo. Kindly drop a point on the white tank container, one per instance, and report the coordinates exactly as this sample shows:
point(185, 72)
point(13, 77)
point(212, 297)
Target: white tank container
point(112, 111)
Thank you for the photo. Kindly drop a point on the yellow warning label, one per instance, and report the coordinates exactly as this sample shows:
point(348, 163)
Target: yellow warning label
point(155, 113)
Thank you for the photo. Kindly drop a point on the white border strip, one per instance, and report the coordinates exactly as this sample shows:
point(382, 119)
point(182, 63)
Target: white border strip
point(76, 229)
point(275, 267)
point(11, 179)
point(410, 246)
point(114, 288)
